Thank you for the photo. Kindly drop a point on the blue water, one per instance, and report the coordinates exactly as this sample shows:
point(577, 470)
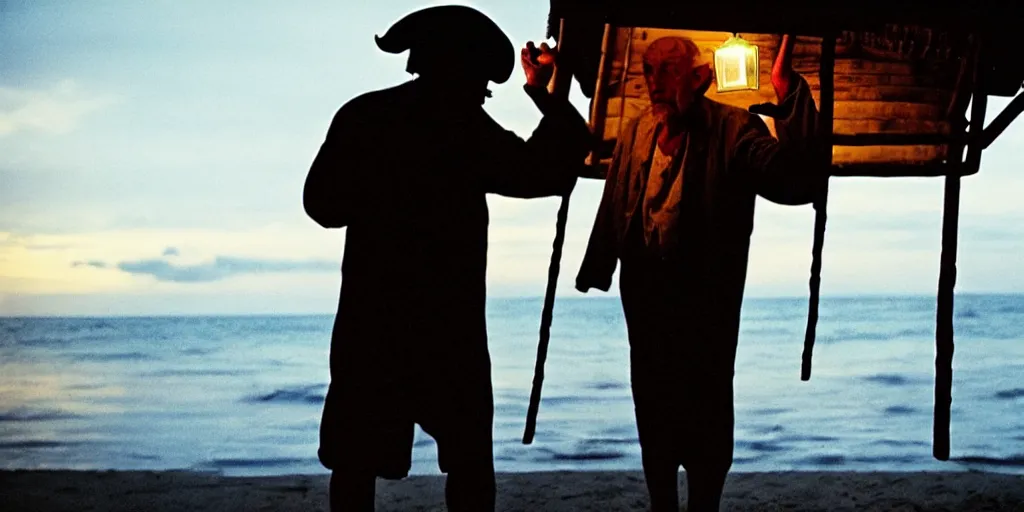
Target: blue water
point(242, 395)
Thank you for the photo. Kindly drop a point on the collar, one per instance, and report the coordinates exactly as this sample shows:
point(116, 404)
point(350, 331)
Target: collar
point(698, 124)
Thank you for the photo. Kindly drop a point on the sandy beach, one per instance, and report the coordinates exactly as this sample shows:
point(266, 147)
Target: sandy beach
point(50, 491)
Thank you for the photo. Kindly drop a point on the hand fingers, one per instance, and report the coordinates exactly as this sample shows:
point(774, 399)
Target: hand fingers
point(527, 59)
point(545, 55)
point(549, 52)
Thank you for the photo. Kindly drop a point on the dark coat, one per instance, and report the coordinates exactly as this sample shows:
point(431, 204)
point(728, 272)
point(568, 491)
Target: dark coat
point(725, 167)
point(407, 173)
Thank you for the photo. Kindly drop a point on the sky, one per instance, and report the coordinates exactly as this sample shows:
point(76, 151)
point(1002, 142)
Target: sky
point(152, 158)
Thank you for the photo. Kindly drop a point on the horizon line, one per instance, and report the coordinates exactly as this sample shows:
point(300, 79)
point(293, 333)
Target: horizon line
point(504, 298)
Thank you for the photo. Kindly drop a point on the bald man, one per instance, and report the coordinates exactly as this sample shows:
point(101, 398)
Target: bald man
point(677, 211)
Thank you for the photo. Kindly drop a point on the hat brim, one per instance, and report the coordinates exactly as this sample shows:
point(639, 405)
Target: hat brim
point(453, 25)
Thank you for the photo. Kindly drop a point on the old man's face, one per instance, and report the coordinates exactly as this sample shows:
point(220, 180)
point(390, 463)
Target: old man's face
point(672, 80)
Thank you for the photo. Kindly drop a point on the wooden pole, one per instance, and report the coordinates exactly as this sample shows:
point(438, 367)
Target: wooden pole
point(826, 100)
point(559, 87)
point(944, 316)
point(944, 346)
point(599, 103)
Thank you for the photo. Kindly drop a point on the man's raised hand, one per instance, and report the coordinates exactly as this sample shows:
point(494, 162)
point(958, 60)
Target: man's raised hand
point(782, 69)
point(538, 63)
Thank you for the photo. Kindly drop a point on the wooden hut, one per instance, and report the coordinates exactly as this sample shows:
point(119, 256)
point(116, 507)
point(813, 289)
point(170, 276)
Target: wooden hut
point(892, 80)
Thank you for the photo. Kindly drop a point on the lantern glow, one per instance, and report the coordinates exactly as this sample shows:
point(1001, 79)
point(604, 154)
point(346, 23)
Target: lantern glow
point(736, 66)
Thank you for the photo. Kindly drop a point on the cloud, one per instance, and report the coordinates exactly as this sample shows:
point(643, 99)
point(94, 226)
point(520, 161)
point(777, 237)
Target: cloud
point(9, 239)
point(48, 247)
point(222, 267)
point(56, 111)
point(33, 272)
point(171, 251)
point(90, 263)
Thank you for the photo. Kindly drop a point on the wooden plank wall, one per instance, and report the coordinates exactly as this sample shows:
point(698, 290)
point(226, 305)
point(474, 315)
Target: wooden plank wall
point(872, 94)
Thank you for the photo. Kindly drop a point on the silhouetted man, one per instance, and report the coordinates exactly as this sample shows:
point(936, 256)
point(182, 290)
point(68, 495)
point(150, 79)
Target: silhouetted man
point(677, 211)
point(406, 170)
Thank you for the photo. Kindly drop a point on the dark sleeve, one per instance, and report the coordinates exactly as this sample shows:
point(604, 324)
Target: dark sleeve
point(601, 256)
point(547, 163)
point(788, 170)
point(328, 196)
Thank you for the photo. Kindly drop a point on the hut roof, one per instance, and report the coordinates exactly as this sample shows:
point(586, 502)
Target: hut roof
point(998, 22)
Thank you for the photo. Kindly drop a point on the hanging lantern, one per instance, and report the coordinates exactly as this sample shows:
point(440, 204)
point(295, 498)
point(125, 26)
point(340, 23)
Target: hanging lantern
point(736, 65)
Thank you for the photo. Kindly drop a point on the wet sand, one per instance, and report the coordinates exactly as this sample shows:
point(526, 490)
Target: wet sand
point(47, 491)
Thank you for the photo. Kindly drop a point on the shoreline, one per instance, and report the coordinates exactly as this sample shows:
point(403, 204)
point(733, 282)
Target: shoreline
point(563, 491)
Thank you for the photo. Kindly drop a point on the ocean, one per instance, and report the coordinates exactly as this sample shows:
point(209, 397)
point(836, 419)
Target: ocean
point(243, 395)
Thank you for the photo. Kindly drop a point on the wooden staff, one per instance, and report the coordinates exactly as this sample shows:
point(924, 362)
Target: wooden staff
point(826, 76)
point(559, 87)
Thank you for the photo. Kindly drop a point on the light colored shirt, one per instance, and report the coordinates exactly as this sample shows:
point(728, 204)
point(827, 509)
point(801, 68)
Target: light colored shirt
point(662, 200)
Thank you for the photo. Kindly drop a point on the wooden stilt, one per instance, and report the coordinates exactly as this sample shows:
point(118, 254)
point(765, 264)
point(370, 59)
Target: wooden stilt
point(826, 76)
point(944, 320)
point(944, 346)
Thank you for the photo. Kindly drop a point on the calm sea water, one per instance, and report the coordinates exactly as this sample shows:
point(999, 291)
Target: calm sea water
point(242, 395)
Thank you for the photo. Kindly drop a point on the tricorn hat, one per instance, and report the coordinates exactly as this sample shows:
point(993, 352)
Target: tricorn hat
point(458, 32)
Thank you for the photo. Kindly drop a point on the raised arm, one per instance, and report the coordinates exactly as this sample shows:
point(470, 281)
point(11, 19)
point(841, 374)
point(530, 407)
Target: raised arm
point(548, 162)
point(789, 170)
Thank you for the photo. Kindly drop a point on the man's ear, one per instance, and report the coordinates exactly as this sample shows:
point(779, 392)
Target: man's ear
point(703, 75)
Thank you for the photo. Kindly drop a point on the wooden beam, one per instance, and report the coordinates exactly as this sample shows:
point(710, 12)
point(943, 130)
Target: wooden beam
point(979, 104)
point(896, 139)
point(1002, 121)
point(599, 103)
point(890, 155)
point(561, 79)
point(805, 18)
point(625, 75)
point(930, 170)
